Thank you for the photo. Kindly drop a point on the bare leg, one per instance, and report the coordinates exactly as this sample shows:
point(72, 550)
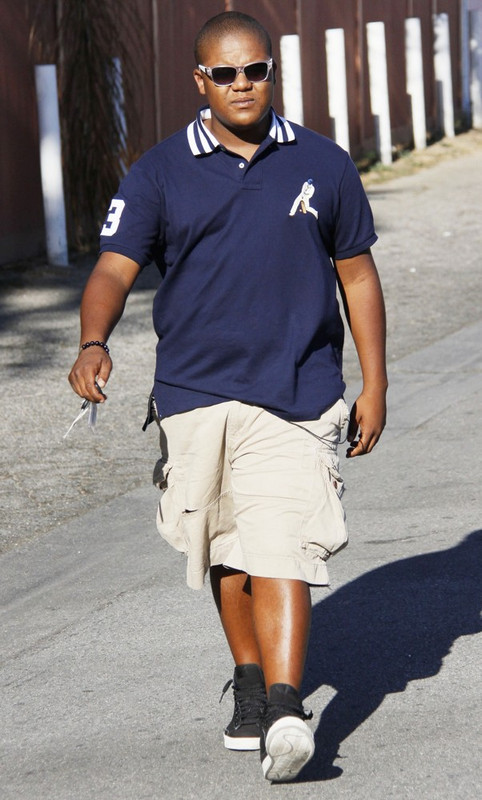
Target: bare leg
point(232, 595)
point(266, 622)
point(282, 617)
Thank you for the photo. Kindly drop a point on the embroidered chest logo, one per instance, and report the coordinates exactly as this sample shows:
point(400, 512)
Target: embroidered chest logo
point(302, 202)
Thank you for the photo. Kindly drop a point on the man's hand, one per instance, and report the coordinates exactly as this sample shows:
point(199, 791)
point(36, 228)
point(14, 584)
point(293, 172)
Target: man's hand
point(93, 366)
point(102, 305)
point(367, 421)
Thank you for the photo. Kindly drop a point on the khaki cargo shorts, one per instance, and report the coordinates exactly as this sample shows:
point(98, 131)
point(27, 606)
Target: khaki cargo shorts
point(244, 488)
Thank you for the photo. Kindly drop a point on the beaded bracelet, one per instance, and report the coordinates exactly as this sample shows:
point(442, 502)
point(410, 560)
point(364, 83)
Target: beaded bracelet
point(96, 343)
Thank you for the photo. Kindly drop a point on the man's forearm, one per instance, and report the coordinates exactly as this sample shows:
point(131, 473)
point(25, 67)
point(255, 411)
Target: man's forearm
point(368, 326)
point(105, 296)
point(102, 305)
point(365, 309)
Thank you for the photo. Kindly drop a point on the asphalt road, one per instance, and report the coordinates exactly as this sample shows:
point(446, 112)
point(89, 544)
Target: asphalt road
point(111, 669)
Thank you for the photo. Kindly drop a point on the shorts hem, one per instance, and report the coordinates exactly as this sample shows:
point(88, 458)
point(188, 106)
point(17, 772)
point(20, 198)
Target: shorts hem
point(315, 574)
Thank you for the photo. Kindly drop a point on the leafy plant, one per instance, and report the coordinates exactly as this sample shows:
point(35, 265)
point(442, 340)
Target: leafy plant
point(97, 79)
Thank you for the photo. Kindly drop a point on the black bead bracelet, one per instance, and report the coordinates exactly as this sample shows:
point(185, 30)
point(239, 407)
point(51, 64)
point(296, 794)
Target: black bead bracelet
point(93, 344)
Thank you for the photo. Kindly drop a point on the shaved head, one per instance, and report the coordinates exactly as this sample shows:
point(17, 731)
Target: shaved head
point(228, 23)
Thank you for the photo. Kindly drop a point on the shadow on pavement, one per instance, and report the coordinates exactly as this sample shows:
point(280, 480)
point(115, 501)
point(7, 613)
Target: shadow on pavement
point(39, 307)
point(388, 627)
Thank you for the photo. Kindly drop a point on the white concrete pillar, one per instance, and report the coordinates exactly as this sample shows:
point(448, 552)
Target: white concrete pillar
point(476, 68)
point(51, 164)
point(443, 74)
point(377, 67)
point(415, 86)
point(291, 78)
point(465, 59)
point(337, 95)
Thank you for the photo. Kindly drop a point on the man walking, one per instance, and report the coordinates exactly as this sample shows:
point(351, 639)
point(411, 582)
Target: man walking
point(252, 221)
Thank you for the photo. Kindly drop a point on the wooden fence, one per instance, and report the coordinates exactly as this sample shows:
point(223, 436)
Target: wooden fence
point(167, 98)
point(174, 99)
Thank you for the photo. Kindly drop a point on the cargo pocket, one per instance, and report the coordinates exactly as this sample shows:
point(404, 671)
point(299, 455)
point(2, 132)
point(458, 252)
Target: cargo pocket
point(205, 531)
point(324, 530)
point(171, 505)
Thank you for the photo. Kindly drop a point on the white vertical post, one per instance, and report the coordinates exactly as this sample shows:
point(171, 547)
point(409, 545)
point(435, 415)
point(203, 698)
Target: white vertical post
point(337, 96)
point(414, 63)
point(465, 59)
point(51, 164)
point(377, 67)
point(291, 78)
point(476, 68)
point(443, 74)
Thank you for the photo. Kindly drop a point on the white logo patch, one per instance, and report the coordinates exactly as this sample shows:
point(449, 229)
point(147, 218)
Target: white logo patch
point(302, 202)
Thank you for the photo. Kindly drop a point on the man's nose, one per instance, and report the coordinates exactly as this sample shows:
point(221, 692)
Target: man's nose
point(241, 83)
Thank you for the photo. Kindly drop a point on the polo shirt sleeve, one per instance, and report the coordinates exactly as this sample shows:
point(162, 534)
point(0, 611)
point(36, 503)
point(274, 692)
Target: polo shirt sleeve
point(133, 226)
point(354, 227)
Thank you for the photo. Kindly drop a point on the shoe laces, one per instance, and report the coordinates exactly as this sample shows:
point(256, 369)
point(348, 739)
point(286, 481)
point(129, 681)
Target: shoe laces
point(249, 702)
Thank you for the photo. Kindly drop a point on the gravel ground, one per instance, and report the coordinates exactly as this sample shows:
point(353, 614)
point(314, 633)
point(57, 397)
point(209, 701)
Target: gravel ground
point(427, 212)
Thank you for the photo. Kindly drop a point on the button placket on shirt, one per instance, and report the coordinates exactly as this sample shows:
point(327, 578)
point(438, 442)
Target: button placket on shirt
point(249, 174)
point(245, 172)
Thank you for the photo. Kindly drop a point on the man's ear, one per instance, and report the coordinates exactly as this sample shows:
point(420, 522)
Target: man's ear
point(199, 79)
point(274, 68)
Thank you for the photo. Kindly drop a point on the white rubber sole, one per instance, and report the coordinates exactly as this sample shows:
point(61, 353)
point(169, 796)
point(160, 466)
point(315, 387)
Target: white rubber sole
point(241, 743)
point(289, 746)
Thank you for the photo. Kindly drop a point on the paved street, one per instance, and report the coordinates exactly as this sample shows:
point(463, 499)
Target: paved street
point(111, 669)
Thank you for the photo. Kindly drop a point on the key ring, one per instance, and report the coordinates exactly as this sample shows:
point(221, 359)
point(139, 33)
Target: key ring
point(87, 405)
point(92, 409)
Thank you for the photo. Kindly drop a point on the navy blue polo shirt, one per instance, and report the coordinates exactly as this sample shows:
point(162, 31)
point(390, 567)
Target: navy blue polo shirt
point(246, 309)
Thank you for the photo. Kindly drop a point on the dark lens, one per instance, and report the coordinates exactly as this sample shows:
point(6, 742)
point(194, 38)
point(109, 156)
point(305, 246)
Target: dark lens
point(256, 72)
point(223, 76)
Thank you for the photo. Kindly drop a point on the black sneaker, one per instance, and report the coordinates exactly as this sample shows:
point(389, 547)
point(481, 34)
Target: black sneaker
point(287, 742)
point(244, 730)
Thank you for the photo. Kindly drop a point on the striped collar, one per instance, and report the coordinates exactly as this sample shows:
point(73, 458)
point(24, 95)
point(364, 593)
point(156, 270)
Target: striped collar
point(202, 142)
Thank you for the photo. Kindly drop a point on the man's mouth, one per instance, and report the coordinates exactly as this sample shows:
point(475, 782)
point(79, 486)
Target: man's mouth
point(243, 101)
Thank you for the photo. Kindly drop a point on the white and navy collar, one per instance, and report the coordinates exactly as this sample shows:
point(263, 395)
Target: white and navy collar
point(202, 142)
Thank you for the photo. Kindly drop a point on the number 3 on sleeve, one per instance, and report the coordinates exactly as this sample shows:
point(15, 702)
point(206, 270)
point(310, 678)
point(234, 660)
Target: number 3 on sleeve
point(113, 218)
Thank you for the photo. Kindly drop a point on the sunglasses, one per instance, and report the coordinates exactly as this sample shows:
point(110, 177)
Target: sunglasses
point(256, 72)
